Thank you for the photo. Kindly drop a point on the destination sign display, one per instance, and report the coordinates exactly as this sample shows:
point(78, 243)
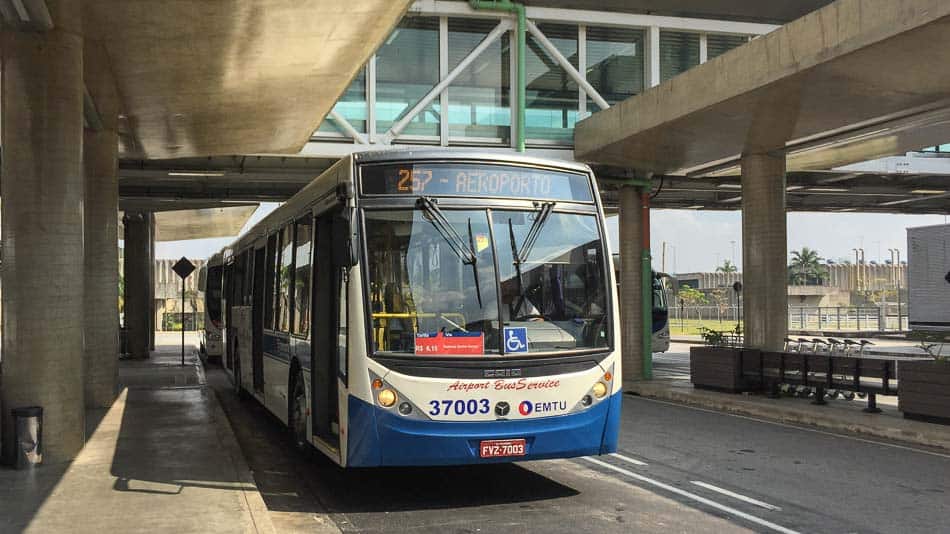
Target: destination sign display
point(474, 180)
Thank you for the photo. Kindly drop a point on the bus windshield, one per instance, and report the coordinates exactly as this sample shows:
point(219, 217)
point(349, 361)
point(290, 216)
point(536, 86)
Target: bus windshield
point(659, 293)
point(473, 282)
point(213, 293)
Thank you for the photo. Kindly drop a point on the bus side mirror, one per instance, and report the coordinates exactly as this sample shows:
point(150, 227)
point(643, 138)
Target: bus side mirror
point(345, 242)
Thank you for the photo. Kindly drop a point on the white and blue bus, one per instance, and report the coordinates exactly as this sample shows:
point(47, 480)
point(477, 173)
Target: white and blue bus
point(209, 281)
point(431, 307)
point(664, 285)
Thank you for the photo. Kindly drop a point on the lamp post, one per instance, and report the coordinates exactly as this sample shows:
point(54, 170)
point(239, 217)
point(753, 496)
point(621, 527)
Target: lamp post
point(897, 279)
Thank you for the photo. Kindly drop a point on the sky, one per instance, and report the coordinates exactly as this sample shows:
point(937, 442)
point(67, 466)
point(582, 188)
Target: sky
point(701, 240)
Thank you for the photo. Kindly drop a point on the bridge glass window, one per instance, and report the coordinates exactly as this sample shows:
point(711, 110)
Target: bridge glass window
point(269, 282)
point(301, 290)
point(551, 93)
point(679, 52)
point(615, 64)
point(718, 44)
point(479, 104)
point(407, 67)
point(285, 275)
point(351, 106)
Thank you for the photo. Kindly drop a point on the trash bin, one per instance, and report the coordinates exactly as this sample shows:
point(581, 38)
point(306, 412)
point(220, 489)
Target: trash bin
point(28, 436)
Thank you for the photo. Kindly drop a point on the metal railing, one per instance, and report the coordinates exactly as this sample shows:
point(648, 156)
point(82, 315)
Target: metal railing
point(882, 318)
point(845, 319)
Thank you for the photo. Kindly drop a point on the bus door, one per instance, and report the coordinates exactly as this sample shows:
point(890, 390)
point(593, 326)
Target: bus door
point(257, 318)
point(323, 379)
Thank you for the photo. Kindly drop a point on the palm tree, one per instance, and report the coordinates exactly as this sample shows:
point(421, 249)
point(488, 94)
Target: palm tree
point(727, 267)
point(805, 267)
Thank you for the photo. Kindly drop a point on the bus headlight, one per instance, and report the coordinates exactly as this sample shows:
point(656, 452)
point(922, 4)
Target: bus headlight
point(405, 408)
point(600, 389)
point(386, 397)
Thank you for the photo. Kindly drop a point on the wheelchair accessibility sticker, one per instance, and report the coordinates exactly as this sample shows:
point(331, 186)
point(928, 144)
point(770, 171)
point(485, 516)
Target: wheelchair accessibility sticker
point(516, 339)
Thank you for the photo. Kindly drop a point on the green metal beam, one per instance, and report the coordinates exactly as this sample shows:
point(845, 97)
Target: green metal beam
point(646, 276)
point(518, 9)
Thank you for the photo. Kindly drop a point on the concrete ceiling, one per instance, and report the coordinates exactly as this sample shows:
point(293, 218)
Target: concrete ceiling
point(224, 179)
point(183, 224)
point(769, 11)
point(199, 78)
point(917, 183)
point(851, 82)
point(815, 191)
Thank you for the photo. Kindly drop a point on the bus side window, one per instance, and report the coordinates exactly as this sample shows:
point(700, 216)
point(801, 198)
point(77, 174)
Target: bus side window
point(301, 290)
point(269, 282)
point(285, 279)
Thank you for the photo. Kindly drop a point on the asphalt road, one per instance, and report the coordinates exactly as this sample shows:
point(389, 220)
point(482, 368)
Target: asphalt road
point(679, 470)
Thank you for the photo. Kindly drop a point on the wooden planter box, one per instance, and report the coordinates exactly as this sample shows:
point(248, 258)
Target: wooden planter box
point(924, 391)
point(725, 368)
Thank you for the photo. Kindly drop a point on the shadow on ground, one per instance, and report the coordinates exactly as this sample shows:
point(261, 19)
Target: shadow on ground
point(294, 481)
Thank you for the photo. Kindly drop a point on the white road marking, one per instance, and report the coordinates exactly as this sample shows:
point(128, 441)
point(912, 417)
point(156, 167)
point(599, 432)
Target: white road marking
point(804, 429)
point(692, 496)
point(628, 459)
point(734, 495)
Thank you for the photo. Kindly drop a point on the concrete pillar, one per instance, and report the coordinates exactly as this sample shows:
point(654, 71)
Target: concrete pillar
point(136, 268)
point(151, 281)
point(42, 230)
point(100, 238)
point(631, 280)
point(764, 251)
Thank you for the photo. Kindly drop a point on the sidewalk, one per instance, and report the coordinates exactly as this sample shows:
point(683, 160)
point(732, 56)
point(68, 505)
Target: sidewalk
point(836, 416)
point(163, 458)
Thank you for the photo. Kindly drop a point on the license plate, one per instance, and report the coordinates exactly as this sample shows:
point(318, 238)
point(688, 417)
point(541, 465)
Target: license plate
point(494, 448)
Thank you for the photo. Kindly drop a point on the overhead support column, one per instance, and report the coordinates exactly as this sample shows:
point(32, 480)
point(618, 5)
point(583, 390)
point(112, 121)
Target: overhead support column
point(764, 250)
point(42, 210)
point(631, 283)
point(150, 280)
point(137, 276)
point(100, 216)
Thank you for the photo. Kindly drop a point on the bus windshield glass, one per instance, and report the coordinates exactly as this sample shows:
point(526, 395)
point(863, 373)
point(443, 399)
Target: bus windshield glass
point(435, 289)
point(659, 293)
point(213, 297)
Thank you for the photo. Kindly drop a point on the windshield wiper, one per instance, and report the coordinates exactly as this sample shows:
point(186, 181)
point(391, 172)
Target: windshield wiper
point(447, 231)
point(466, 253)
point(520, 255)
point(535, 231)
point(471, 244)
point(517, 262)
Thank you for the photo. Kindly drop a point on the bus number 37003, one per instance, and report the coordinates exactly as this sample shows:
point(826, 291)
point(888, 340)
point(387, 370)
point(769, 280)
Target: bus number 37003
point(459, 407)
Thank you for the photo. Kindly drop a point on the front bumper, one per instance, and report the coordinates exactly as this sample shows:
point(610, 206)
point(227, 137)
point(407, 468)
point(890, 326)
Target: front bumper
point(381, 437)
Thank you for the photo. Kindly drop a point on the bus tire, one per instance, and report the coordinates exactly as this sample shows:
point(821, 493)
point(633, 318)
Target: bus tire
point(297, 411)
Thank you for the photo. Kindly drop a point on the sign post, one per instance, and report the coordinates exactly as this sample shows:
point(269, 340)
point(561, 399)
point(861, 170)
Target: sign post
point(183, 268)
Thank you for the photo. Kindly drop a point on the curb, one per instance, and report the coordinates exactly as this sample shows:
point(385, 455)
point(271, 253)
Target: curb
point(255, 503)
point(687, 341)
point(917, 434)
